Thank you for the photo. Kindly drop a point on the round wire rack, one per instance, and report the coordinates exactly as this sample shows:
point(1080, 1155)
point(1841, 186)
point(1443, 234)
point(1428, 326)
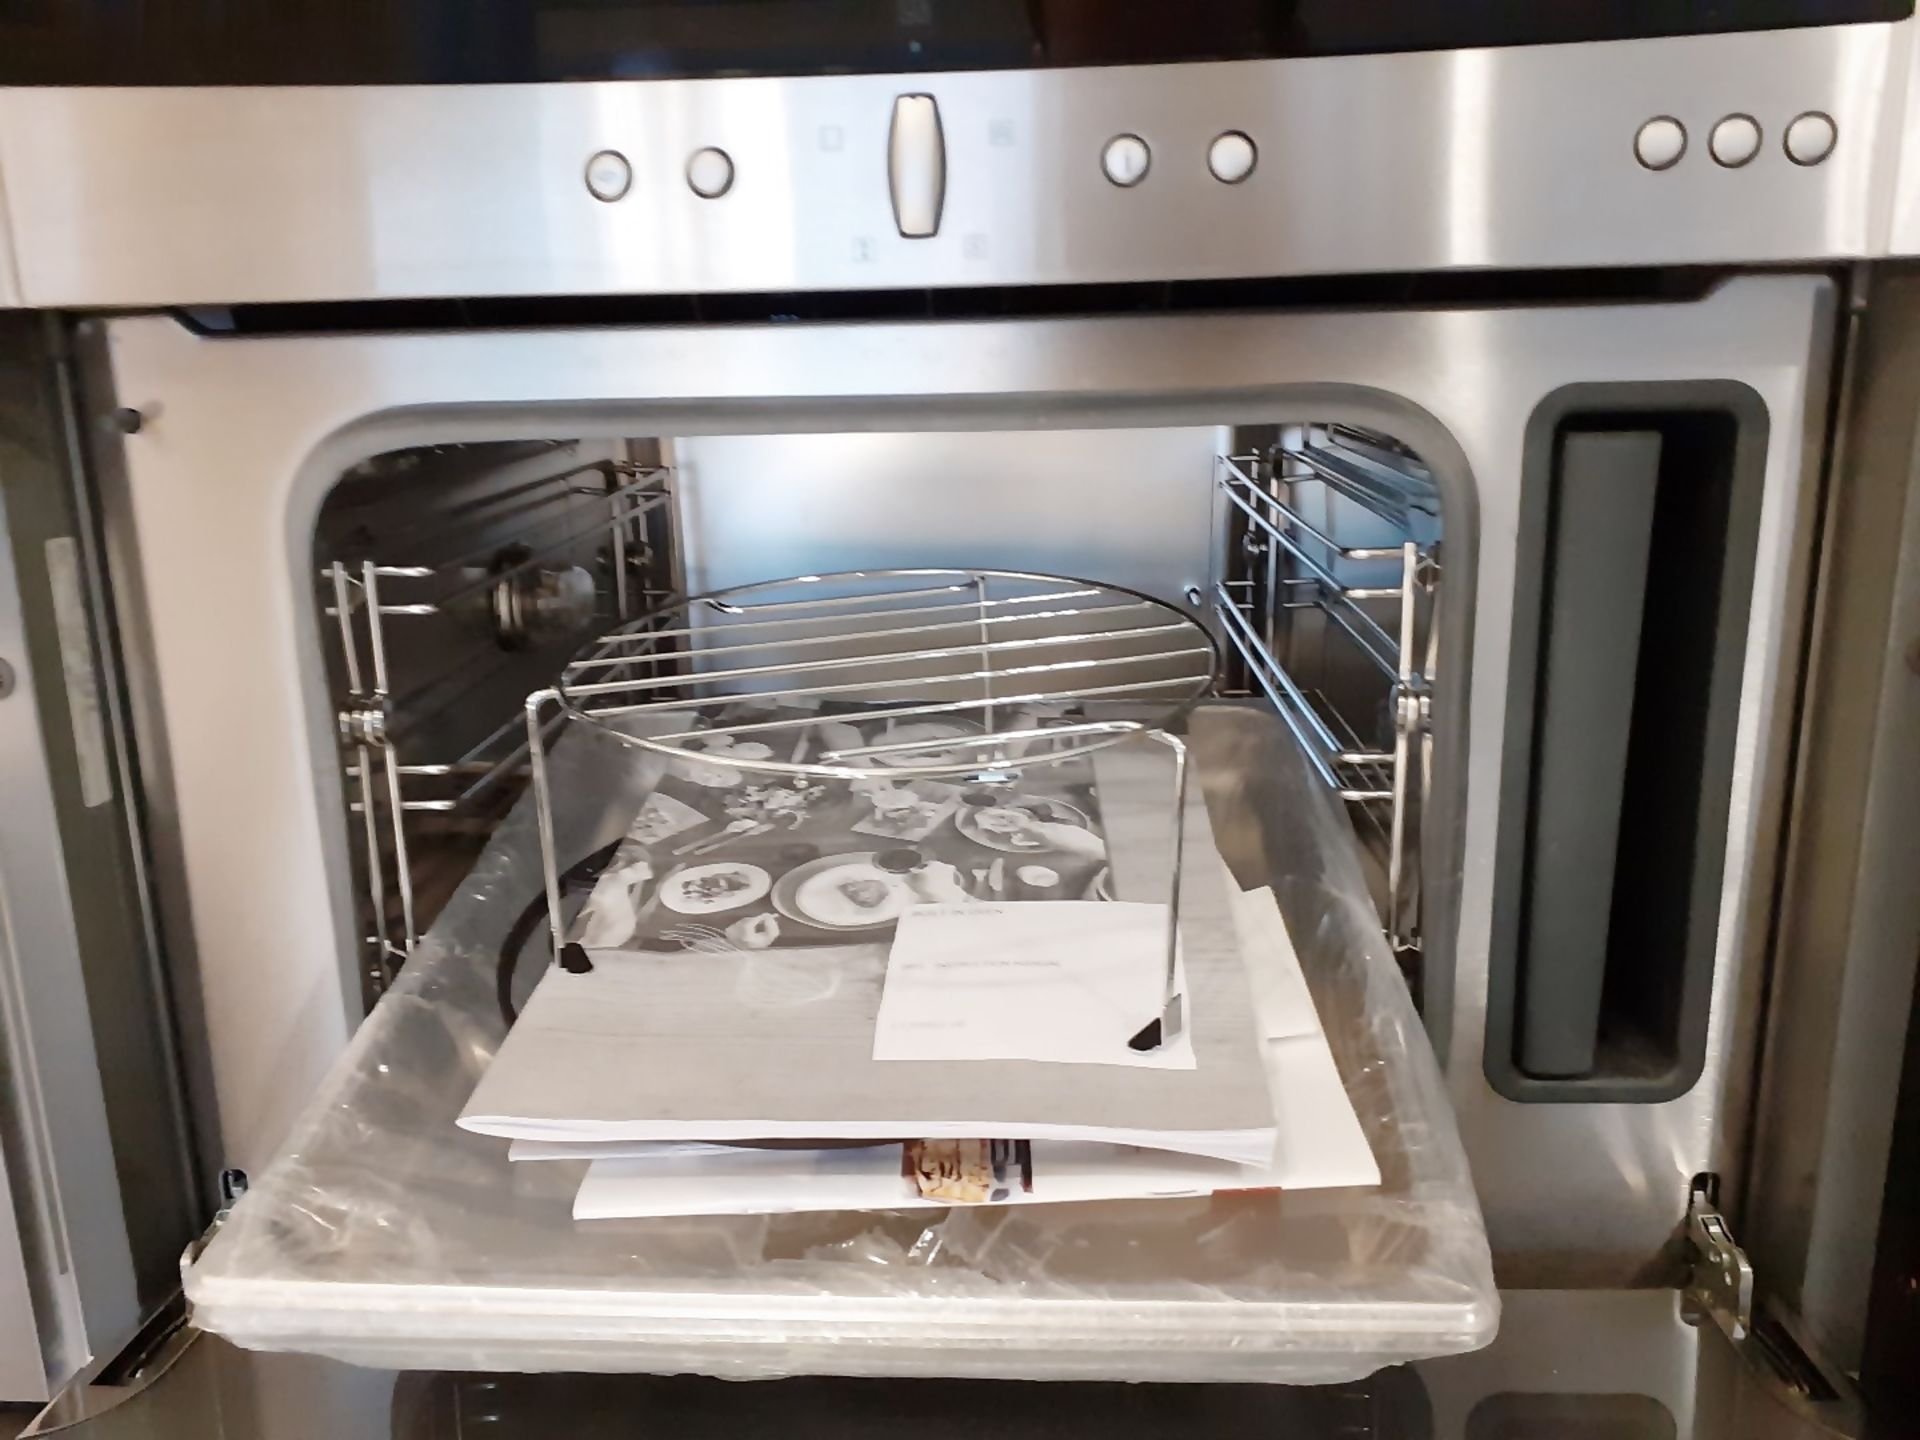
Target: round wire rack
point(894, 674)
point(891, 675)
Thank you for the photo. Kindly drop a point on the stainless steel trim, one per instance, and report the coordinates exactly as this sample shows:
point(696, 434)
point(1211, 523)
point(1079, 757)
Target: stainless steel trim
point(1506, 158)
point(65, 1260)
point(1897, 199)
point(79, 667)
point(1846, 959)
point(9, 268)
point(245, 436)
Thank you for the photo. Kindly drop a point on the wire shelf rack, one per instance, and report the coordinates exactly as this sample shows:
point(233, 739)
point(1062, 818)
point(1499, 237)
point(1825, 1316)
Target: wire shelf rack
point(973, 646)
point(1288, 564)
point(974, 674)
point(510, 593)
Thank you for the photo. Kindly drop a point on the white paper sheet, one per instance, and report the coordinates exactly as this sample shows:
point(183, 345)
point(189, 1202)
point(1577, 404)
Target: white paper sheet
point(1318, 1140)
point(1281, 1001)
point(1064, 982)
point(596, 1149)
point(773, 1182)
point(1320, 1146)
point(696, 1046)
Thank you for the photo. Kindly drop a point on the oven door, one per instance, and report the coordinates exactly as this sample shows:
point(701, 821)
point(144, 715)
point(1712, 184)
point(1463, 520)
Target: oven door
point(226, 445)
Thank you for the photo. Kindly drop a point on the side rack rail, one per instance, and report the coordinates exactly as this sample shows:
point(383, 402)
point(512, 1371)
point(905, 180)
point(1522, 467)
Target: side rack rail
point(1327, 598)
point(498, 599)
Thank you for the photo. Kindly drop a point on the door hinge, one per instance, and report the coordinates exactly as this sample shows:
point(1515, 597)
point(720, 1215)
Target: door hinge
point(1720, 1284)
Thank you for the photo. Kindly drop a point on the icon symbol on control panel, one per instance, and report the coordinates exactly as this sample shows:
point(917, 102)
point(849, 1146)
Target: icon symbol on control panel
point(862, 249)
point(832, 137)
point(1000, 133)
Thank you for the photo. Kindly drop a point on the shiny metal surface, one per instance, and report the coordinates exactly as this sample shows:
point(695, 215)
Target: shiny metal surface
point(1024, 639)
point(1850, 913)
point(1508, 158)
point(246, 435)
point(9, 272)
point(1899, 197)
point(1612, 1364)
point(64, 1257)
point(1625, 1365)
point(974, 497)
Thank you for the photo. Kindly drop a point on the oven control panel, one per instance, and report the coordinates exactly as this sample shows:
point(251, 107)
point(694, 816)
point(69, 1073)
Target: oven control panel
point(1760, 147)
point(1736, 140)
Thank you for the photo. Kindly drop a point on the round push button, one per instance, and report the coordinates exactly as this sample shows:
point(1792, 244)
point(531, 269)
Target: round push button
point(1231, 157)
point(609, 176)
point(1810, 138)
point(710, 173)
point(1125, 160)
point(1735, 141)
point(1660, 143)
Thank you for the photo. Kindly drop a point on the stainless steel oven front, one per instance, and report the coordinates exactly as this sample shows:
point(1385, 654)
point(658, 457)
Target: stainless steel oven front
point(1093, 444)
point(400, 389)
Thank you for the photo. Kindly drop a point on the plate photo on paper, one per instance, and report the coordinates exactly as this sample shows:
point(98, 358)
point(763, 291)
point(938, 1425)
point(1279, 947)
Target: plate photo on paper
point(842, 892)
point(663, 817)
point(910, 810)
point(1008, 825)
point(931, 732)
point(711, 889)
point(622, 891)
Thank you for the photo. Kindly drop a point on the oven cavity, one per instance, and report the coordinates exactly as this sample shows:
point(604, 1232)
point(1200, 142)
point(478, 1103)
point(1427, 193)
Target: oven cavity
point(456, 580)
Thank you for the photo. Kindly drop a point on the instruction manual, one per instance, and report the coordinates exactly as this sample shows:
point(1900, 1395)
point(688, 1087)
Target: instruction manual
point(725, 1039)
point(1319, 1142)
point(1069, 982)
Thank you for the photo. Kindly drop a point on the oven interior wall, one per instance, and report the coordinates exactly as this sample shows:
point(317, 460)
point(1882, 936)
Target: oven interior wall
point(490, 564)
point(454, 580)
point(1127, 506)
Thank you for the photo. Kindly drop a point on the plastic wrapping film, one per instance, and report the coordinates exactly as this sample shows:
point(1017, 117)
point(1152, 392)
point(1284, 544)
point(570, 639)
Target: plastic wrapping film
point(385, 1235)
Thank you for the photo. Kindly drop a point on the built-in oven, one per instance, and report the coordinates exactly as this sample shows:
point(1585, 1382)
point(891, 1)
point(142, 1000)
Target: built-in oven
point(1505, 415)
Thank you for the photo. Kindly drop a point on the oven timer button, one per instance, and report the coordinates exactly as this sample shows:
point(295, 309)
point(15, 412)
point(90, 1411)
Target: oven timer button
point(710, 173)
point(1810, 138)
point(1125, 160)
point(1660, 143)
point(1231, 157)
point(1735, 141)
point(609, 176)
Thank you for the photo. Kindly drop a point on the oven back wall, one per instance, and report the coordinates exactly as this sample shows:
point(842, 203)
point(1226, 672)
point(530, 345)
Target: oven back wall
point(1126, 506)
